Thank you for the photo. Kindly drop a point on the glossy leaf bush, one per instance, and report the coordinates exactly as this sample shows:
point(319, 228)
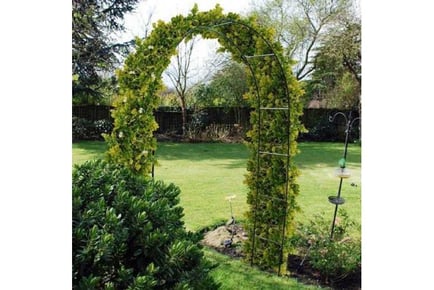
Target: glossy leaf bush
point(127, 233)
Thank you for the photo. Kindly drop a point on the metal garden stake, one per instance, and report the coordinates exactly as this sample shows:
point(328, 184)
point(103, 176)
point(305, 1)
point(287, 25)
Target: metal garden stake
point(341, 172)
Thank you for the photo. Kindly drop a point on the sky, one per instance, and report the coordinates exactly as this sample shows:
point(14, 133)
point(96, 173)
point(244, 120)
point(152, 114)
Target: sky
point(204, 50)
point(166, 9)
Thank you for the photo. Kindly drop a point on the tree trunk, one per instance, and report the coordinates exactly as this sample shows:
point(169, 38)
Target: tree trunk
point(184, 117)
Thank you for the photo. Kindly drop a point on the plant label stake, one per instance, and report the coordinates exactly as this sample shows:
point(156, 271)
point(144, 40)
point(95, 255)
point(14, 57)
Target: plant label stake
point(230, 222)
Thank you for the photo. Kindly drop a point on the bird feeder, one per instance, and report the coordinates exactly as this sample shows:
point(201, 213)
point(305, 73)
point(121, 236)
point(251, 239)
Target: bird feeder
point(342, 172)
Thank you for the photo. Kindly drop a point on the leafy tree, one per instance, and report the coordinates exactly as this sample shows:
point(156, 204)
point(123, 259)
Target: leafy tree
point(227, 88)
point(204, 96)
point(102, 93)
point(337, 76)
point(230, 85)
point(94, 51)
point(168, 98)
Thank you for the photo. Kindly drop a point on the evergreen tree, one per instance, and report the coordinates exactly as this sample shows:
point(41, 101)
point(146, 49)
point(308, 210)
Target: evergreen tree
point(94, 51)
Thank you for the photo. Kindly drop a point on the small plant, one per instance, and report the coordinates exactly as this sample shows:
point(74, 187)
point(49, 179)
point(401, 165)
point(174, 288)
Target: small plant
point(218, 132)
point(195, 125)
point(334, 259)
point(103, 126)
point(127, 233)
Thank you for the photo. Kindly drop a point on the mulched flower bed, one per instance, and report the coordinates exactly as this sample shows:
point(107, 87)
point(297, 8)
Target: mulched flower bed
point(306, 274)
point(303, 272)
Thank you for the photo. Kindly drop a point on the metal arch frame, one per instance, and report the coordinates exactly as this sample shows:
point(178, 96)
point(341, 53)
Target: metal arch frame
point(245, 59)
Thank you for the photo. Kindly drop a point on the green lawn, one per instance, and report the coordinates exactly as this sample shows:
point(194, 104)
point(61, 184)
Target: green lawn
point(317, 163)
point(87, 150)
point(208, 172)
point(235, 274)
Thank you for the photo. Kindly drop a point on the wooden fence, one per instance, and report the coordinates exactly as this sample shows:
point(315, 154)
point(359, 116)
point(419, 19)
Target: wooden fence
point(170, 120)
point(92, 112)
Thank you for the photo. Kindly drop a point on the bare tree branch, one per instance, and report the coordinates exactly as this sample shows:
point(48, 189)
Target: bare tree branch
point(301, 26)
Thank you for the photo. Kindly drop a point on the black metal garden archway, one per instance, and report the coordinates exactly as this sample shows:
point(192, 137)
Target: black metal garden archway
point(275, 124)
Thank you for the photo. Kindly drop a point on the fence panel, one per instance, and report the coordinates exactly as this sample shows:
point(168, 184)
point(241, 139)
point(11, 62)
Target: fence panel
point(92, 112)
point(170, 120)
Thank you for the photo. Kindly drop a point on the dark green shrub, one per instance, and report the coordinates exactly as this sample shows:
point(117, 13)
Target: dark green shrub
point(319, 127)
point(128, 234)
point(334, 259)
point(84, 129)
point(81, 128)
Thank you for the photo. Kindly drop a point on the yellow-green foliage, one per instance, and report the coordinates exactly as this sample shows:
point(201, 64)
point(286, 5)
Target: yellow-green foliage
point(132, 138)
point(267, 186)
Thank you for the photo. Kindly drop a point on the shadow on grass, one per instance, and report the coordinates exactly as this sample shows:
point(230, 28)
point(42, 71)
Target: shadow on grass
point(91, 146)
point(234, 155)
point(311, 154)
point(326, 153)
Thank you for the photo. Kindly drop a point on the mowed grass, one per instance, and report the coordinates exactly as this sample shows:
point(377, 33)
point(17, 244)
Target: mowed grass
point(87, 150)
point(317, 162)
point(209, 172)
point(206, 173)
point(236, 274)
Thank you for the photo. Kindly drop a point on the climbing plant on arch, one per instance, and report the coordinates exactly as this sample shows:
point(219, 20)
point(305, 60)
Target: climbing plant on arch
point(272, 85)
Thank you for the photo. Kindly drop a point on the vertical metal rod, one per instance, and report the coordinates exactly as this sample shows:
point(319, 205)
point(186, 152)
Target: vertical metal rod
point(233, 221)
point(232, 214)
point(153, 165)
point(257, 180)
point(347, 133)
point(336, 211)
point(288, 151)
